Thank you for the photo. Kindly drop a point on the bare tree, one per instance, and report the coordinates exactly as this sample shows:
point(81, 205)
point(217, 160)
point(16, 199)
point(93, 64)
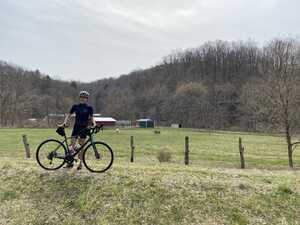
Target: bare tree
point(274, 98)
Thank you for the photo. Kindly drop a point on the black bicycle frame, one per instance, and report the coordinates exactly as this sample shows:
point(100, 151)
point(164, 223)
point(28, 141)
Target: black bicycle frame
point(90, 140)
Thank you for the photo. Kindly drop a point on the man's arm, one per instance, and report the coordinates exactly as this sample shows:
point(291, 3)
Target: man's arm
point(93, 121)
point(67, 118)
point(92, 118)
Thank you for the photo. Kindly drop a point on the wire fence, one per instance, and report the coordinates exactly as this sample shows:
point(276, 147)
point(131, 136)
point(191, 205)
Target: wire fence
point(183, 147)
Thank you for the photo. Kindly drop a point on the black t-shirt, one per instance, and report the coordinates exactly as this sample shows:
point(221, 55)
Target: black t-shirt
point(83, 113)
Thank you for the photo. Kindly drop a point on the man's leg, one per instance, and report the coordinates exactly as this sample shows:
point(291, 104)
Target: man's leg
point(74, 138)
point(81, 141)
point(72, 147)
point(73, 141)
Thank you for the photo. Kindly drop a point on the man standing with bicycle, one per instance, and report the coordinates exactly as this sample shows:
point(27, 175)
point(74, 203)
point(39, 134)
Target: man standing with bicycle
point(83, 118)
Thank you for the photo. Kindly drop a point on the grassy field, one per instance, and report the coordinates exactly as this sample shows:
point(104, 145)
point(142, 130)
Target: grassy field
point(212, 190)
point(218, 149)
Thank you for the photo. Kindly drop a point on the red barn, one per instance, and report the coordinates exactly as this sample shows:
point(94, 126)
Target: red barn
point(106, 121)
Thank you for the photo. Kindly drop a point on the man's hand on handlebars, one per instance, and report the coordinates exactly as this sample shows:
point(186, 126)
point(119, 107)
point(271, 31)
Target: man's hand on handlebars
point(95, 129)
point(62, 124)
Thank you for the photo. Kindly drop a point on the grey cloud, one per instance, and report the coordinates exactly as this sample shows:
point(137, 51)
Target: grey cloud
point(89, 40)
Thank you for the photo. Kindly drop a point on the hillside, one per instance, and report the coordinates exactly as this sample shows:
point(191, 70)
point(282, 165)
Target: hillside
point(218, 85)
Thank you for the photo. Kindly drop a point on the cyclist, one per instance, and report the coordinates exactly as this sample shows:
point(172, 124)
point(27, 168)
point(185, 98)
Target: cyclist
point(83, 118)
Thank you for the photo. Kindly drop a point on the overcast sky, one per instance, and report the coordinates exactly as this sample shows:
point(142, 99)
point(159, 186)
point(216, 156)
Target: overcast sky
point(91, 39)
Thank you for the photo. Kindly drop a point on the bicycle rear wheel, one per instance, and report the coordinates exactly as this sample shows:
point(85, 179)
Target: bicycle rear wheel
point(98, 157)
point(50, 154)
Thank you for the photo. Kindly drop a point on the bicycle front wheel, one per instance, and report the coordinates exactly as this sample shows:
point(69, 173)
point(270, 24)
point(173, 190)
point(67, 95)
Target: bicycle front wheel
point(50, 154)
point(98, 157)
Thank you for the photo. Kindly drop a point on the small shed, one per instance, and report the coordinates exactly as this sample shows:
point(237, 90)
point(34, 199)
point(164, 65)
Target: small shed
point(106, 121)
point(146, 123)
point(175, 125)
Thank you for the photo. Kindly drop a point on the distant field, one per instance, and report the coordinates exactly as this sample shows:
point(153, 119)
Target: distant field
point(207, 149)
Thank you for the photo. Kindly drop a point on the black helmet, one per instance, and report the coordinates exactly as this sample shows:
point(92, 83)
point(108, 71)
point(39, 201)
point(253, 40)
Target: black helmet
point(84, 94)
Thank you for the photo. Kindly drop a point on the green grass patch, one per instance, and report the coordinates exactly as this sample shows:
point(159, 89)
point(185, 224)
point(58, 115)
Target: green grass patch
point(211, 190)
point(145, 194)
point(207, 149)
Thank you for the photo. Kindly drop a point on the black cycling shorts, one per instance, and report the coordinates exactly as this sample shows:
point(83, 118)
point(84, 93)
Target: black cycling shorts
point(79, 131)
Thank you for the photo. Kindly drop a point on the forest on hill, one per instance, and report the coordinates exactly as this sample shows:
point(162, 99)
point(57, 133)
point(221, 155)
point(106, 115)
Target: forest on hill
point(218, 85)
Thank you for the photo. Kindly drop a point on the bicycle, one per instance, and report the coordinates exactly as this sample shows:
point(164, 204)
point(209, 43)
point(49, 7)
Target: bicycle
point(98, 156)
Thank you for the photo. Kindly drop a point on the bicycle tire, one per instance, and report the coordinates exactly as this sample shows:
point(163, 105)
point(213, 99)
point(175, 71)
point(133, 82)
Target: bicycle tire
point(90, 148)
point(39, 149)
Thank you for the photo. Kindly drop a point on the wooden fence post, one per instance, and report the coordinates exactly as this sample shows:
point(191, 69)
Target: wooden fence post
point(242, 149)
point(132, 148)
point(26, 145)
point(186, 151)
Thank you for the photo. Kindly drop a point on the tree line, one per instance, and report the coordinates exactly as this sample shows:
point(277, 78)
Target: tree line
point(219, 85)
